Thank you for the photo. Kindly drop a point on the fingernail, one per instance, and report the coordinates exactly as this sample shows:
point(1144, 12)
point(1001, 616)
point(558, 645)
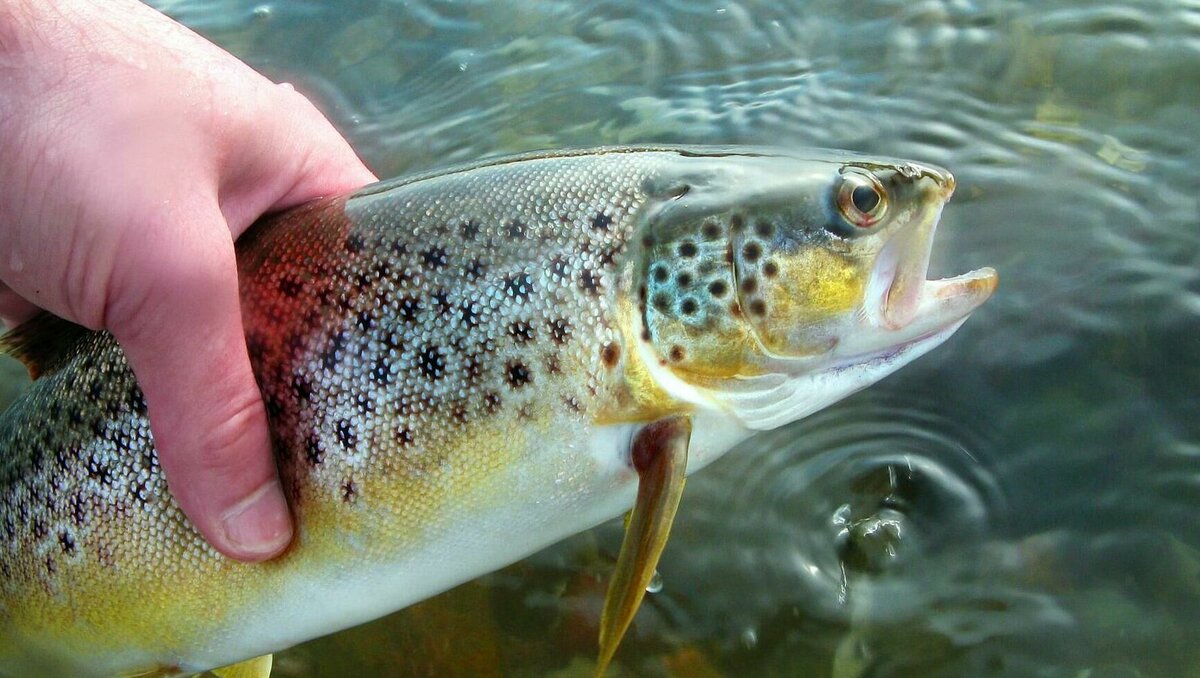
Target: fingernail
point(259, 525)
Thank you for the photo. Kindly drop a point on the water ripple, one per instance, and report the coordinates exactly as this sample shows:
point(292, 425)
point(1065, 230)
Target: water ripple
point(876, 485)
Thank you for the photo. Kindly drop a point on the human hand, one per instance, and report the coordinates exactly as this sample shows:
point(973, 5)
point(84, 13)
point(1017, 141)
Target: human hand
point(132, 154)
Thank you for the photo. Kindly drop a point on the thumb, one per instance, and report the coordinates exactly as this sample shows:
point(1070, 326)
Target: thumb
point(174, 308)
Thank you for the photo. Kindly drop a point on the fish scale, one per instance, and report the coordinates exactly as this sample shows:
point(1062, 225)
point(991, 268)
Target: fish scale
point(403, 339)
point(455, 367)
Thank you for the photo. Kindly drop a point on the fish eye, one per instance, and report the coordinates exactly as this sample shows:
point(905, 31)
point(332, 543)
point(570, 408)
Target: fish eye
point(861, 199)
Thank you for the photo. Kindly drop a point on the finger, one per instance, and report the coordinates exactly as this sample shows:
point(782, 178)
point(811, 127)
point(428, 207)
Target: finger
point(174, 308)
point(298, 156)
point(330, 166)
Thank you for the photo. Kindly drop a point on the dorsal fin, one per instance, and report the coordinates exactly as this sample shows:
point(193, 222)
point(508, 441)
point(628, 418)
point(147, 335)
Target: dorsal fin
point(42, 342)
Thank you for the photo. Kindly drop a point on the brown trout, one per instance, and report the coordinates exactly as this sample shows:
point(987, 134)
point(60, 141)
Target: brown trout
point(460, 368)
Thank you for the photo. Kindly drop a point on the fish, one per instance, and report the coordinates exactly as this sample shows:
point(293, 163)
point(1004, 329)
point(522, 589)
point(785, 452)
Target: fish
point(459, 368)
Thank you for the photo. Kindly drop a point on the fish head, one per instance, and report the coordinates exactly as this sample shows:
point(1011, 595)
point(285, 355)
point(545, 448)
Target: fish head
point(771, 286)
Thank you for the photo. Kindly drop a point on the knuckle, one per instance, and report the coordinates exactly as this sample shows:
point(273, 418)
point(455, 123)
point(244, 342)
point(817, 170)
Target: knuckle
point(230, 446)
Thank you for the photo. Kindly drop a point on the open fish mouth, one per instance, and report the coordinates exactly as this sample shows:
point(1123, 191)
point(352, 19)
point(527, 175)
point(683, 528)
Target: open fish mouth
point(903, 303)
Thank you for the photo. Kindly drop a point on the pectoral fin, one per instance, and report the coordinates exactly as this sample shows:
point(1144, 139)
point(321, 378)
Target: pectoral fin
point(659, 455)
point(259, 667)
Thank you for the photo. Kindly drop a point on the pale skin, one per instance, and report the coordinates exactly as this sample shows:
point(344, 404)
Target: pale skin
point(133, 153)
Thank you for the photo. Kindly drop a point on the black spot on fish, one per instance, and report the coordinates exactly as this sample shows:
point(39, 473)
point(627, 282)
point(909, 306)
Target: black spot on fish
point(349, 491)
point(290, 287)
point(381, 372)
point(711, 230)
point(518, 374)
point(66, 542)
point(601, 221)
point(78, 512)
point(410, 308)
point(468, 230)
point(363, 320)
point(608, 256)
point(661, 302)
point(38, 529)
point(51, 565)
point(474, 269)
point(684, 279)
point(333, 352)
point(560, 330)
point(676, 353)
point(139, 492)
point(404, 436)
point(273, 405)
point(136, 401)
point(518, 286)
point(660, 273)
point(764, 228)
point(688, 249)
point(313, 454)
point(516, 229)
point(718, 288)
point(736, 222)
point(97, 470)
point(559, 268)
point(750, 285)
point(458, 413)
point(354, 244)
point(96, 390)
point(491, 402)
point(647, 240)
point(432, 362)
point(346, 436)
point(434, 258)
point(688, 307)
point(400, 248)
point(442, 299)
point(758, 307)
point(589, 282)
point(392, 340)
point(301, 387)
point(468, 314)
point(752, 251)
point(521, 332)
point(770, 269)
point(572, 404)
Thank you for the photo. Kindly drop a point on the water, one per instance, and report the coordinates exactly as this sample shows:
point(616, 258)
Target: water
point(1023, 501)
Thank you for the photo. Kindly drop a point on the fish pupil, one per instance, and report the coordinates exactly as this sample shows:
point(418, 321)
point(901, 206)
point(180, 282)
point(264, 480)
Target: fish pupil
point(865, 199)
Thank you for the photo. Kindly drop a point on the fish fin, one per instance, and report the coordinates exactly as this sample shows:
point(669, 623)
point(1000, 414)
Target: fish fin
point(659, 455)
point(42, 342)
point(259, 667)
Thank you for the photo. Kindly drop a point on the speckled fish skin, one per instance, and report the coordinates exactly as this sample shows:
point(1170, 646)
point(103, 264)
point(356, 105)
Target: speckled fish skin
point(453, 366)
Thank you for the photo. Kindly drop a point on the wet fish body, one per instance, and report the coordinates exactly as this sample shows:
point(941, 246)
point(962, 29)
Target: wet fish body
point(454, 366)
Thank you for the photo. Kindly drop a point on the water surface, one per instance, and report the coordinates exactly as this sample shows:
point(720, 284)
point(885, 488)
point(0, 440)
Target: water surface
point(1021, 502)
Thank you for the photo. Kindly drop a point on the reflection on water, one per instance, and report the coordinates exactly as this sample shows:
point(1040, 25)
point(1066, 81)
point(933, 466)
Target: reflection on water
point(1022, 501)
